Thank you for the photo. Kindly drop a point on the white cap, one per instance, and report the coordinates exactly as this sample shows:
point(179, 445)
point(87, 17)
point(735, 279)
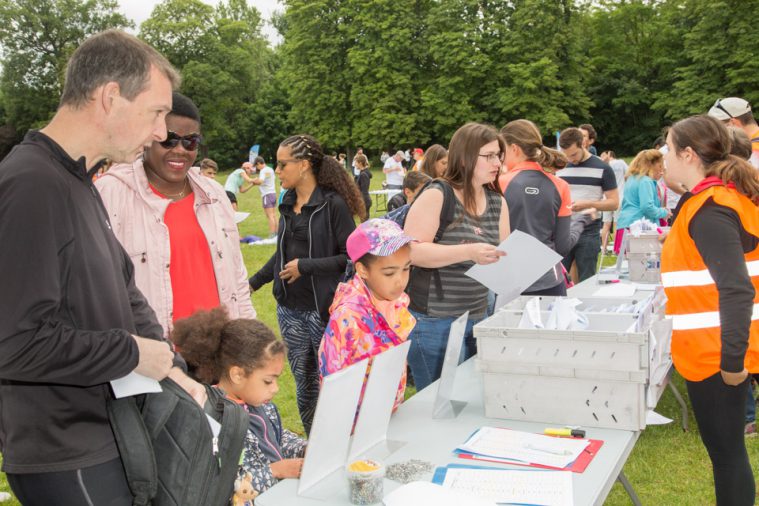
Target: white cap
point(730, 107)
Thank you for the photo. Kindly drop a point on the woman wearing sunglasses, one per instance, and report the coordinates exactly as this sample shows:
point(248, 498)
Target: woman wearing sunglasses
point(177, 225)
point(316, 218)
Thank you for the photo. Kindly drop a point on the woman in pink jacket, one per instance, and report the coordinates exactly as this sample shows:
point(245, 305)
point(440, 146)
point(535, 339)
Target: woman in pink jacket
point(178, 226)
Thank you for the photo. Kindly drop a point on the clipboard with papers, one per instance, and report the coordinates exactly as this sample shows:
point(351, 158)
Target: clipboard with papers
point(577, 465)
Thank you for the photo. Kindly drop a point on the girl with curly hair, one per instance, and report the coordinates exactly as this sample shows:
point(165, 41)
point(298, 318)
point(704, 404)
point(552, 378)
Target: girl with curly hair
point(244, 359)
point(316, 218)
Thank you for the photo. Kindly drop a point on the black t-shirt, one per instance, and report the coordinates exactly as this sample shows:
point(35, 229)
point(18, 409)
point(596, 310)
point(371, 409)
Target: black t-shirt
point(589, 179)
point(300, 295)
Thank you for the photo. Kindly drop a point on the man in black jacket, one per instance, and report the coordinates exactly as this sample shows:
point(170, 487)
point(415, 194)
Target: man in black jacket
point(71, 317)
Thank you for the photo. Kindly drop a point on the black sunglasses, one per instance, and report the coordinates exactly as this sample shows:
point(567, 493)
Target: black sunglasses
point(189, 142)
point(718, 105)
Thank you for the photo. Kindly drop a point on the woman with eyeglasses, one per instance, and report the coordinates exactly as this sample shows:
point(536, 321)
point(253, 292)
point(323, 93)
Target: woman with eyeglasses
point(177, 225)
point(316, 217)
point(459, 220)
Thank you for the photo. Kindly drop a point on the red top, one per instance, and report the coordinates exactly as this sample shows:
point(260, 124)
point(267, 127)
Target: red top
point(193, 281)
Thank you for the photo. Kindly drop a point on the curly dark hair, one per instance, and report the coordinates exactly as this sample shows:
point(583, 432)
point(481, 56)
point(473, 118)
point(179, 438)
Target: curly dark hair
point(328, 171)
point(212, 344)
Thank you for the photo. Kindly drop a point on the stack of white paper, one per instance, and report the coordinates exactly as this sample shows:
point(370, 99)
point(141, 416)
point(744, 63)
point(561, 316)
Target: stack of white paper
point(525, 447)
point(417, 493)
point(552, 488)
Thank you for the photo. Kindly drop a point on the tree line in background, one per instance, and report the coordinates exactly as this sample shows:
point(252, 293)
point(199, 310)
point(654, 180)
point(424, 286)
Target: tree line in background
point(398, 73)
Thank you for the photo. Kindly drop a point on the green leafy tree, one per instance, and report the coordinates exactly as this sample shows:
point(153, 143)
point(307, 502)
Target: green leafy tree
point(451, 89)
point(383, 64)
point(182, 30)
point(37, 38)
point(538, 70)
point(315, 68)
point(718, 55)
point(631, 57)
point(224, 63)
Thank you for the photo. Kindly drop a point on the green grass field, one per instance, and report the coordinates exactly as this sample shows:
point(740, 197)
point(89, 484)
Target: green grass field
point(667, 465)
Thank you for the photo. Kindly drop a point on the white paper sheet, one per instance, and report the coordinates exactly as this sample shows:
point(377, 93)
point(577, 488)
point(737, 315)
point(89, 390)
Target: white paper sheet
point(328, 443)
point(531, 318)
point(379, 397)
point(134, 384)
point(526, 260)
point(550, 488)
point(615, 290)
point(525, 446)
point(654, 418)
point(240, 216)
point(419, 493)
point(215, 426)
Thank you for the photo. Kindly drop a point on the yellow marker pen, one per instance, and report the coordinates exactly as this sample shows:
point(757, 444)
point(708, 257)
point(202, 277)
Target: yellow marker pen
point(564, 431)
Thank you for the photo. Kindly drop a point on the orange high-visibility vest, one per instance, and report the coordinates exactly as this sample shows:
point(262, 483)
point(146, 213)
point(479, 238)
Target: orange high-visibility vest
point(692, 297)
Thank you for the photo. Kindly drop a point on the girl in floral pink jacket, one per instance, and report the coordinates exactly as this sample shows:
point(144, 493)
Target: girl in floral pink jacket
point(369, 313)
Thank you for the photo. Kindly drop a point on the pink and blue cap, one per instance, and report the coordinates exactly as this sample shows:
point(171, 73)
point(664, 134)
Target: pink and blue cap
point(378, 237)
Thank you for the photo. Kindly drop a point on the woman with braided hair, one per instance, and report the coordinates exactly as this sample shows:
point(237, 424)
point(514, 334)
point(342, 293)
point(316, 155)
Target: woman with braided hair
point(316, 217)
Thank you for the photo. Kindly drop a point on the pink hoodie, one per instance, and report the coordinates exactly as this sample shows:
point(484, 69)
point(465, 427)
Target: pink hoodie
point(136, 215)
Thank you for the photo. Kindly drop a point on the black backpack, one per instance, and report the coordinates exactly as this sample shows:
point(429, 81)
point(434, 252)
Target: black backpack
point(421, 279)
point(169, 453)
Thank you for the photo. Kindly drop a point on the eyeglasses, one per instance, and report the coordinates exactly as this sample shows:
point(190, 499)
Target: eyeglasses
point(189, 142)
point(493, 157)
point(282, 163)
point(718, 105)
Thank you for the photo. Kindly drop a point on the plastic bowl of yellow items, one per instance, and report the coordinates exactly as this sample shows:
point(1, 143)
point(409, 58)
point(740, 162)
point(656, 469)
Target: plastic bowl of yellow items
point(365, 479)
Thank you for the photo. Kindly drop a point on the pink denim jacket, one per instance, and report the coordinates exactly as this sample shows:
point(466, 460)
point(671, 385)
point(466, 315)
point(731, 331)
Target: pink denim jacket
point(136, 215)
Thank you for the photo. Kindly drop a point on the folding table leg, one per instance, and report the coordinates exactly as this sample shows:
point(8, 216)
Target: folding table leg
point(628, 488)
point(681, 402)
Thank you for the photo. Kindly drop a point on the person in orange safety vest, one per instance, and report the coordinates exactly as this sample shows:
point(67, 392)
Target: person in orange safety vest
point(710, 273)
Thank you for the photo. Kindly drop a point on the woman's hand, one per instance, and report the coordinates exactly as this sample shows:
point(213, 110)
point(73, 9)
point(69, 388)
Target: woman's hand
point(734, 378)
point(483, 253)
point(286, 468)
point(290, 273)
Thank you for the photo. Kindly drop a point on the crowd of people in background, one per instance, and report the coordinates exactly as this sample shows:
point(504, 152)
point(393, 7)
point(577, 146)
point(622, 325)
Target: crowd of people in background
point(147, 257)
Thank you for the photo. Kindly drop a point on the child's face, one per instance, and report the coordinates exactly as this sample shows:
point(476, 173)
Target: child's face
point(209, 173)
point(260, 386)
point(387, 277)
point(411, 194)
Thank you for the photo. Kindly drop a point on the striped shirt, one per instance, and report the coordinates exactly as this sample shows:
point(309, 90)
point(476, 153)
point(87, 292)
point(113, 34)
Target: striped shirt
point(460, 292)
point(589, 180)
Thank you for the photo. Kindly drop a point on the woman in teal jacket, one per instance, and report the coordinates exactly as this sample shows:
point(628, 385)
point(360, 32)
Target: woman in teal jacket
point(641, 197)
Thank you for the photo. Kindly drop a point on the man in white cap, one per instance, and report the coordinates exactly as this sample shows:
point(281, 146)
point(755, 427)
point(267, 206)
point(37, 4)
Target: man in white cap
point(394, 172)
point(734, 111)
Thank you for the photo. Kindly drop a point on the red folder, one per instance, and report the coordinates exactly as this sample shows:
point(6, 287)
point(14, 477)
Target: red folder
point(578, 466)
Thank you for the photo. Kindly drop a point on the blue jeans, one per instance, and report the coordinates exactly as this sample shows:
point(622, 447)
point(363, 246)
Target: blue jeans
point(585, 253)
point(428, 342)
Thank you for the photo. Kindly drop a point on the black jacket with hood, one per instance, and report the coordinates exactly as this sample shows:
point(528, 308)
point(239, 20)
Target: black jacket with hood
point(330, 222)
point(68, 309)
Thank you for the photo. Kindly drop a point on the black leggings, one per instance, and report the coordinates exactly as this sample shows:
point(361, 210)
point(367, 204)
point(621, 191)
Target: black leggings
point(720, 411)
point(100, 485)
